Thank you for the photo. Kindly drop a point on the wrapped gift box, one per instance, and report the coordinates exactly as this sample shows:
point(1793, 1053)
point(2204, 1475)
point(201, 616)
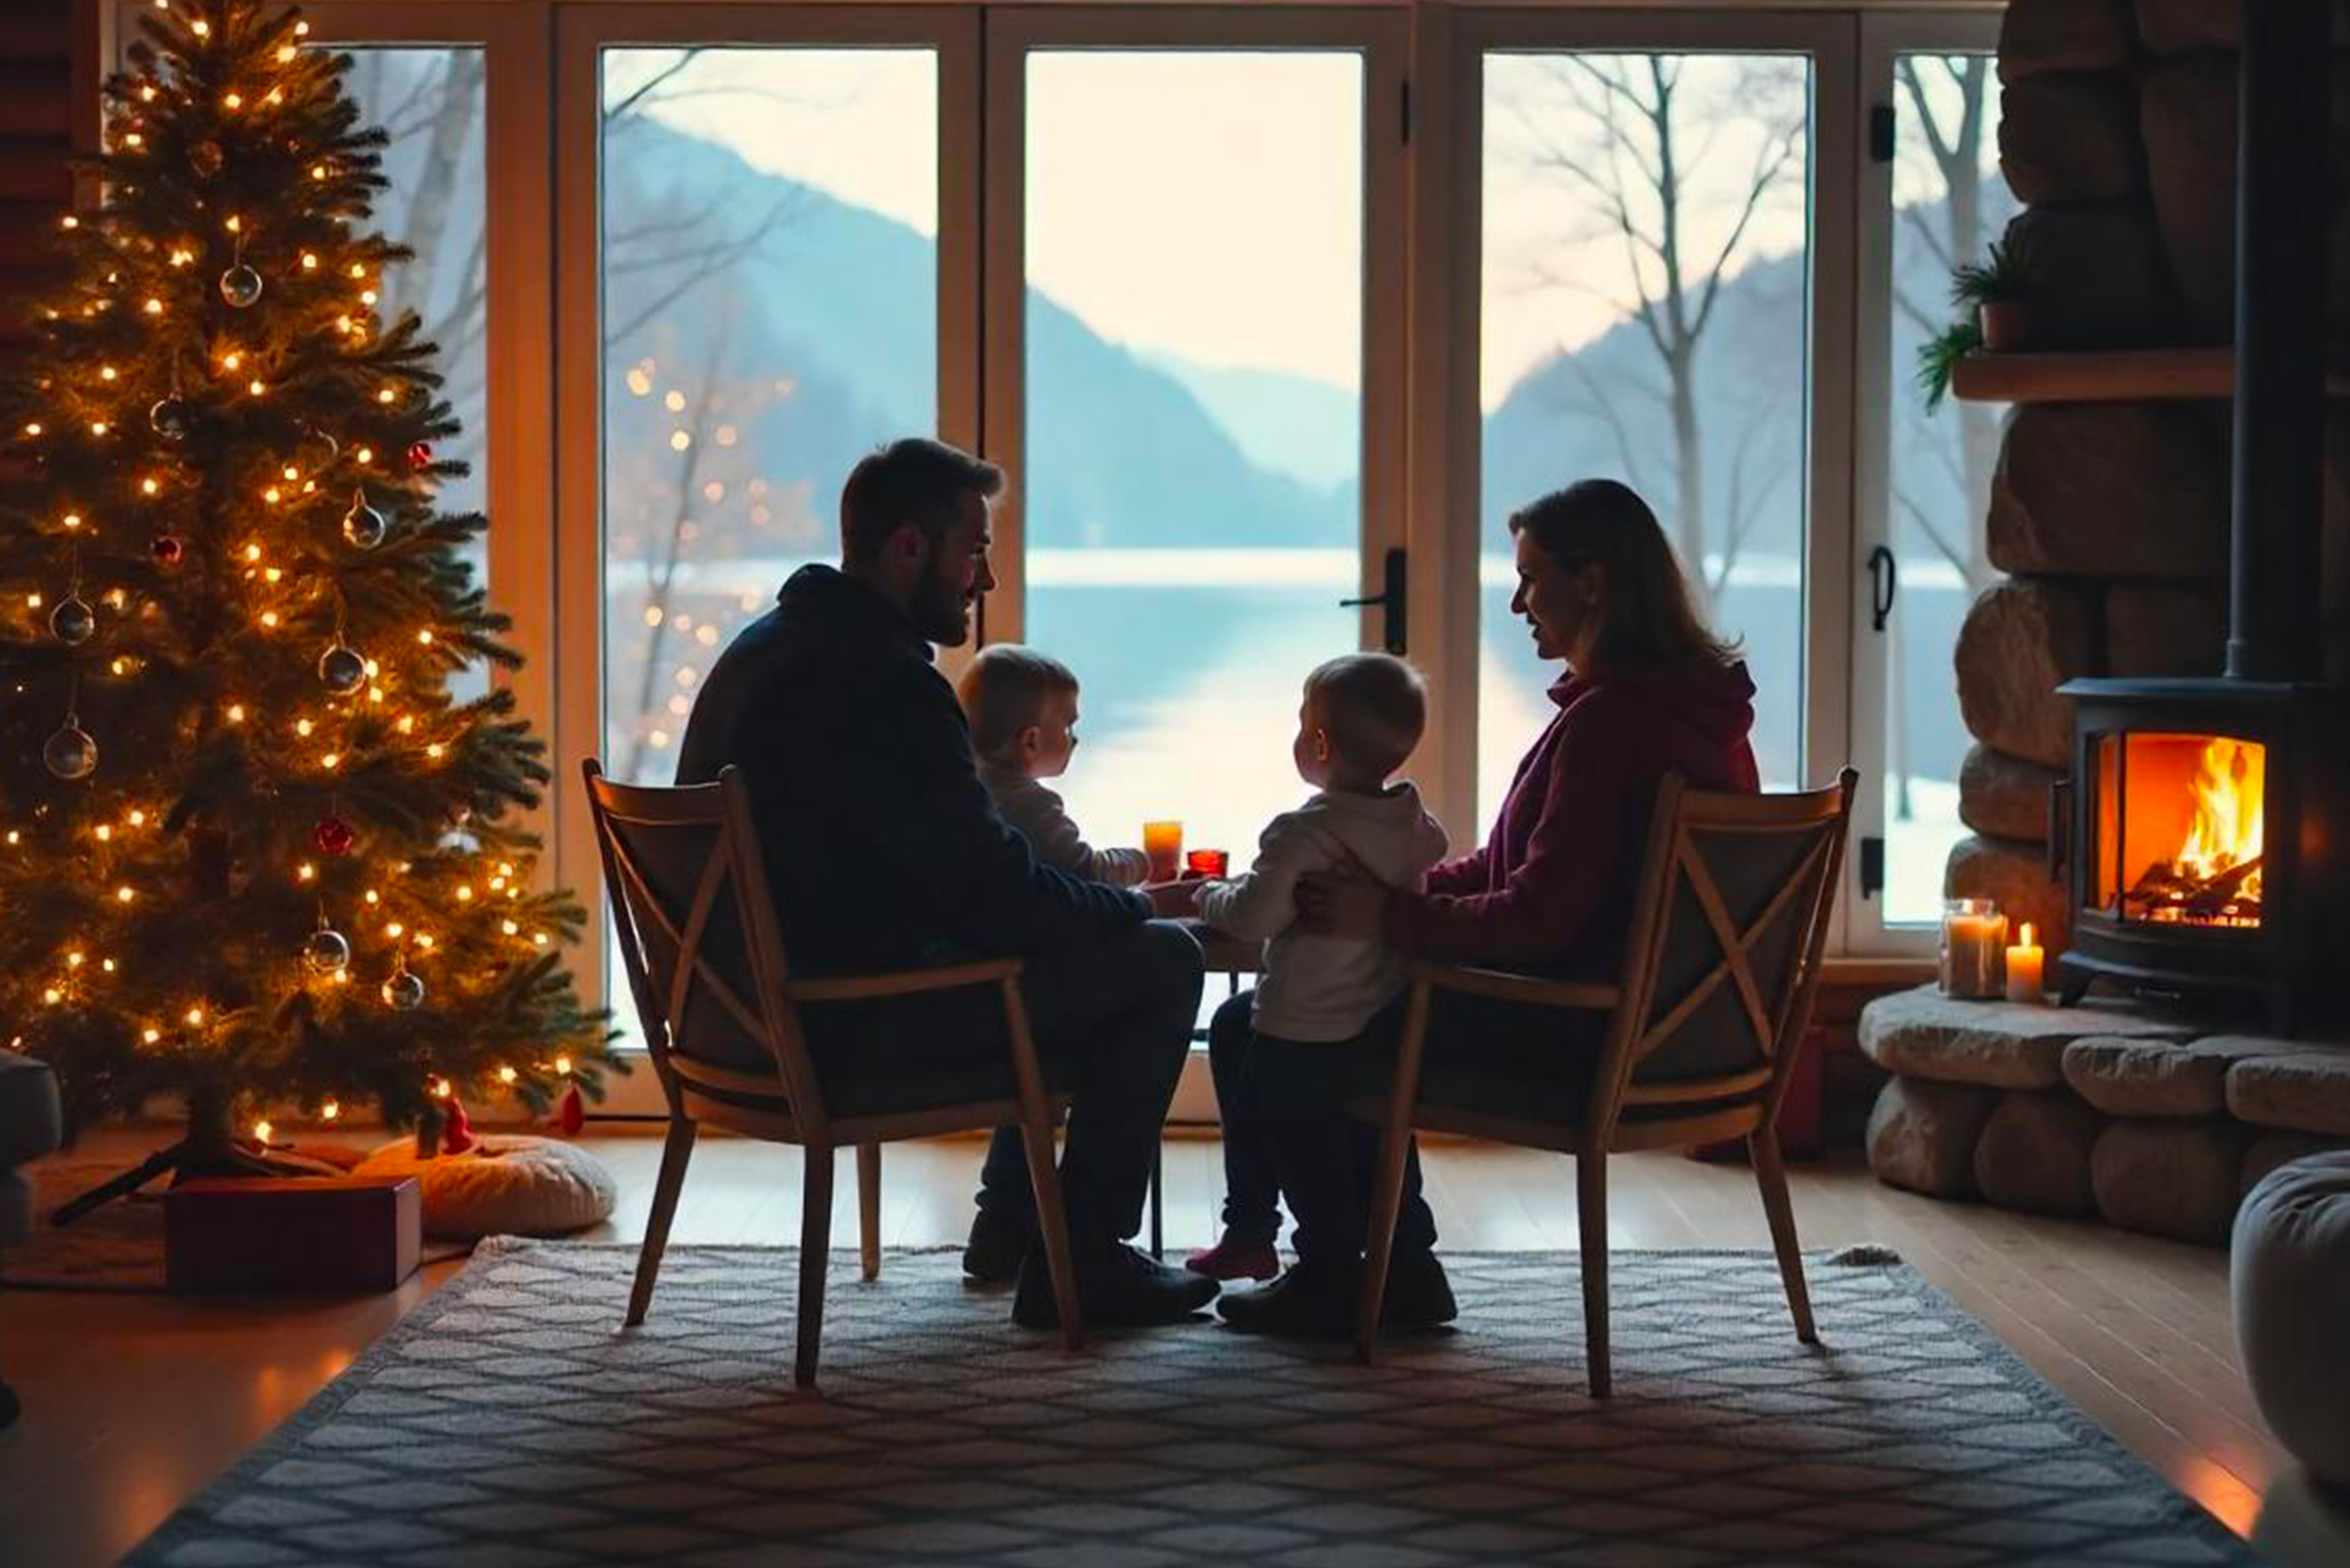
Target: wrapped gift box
point(292, 1233)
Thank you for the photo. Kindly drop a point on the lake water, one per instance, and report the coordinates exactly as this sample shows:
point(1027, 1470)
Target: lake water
point(1192, 661)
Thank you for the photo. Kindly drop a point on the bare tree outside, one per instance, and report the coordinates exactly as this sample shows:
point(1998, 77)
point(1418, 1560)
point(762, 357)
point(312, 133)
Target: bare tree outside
point(1953, 102)
point(1676, 167)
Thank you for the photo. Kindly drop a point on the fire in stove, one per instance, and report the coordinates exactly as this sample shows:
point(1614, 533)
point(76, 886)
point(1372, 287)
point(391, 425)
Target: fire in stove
point(2213, 878)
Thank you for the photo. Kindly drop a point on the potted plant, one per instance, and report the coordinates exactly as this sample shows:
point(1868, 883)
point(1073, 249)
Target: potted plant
point(1938, 356)
point(1999, 288)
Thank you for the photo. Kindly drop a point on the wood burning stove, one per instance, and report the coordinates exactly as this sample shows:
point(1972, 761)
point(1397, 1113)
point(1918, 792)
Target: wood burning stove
point(2208, 831)
point(2209, 842)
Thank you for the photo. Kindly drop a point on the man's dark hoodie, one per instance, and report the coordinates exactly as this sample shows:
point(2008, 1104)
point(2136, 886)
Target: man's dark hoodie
point(883, 851)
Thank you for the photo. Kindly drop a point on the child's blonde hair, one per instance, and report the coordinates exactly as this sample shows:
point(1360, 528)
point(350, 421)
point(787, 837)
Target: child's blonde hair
point(1373, 706)
point(1004, 692)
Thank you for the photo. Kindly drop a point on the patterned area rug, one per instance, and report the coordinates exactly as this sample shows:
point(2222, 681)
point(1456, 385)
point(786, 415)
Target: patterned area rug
point(509, 1421)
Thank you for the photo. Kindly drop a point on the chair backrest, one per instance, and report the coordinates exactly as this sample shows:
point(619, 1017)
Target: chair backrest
point(699, 937)
point(1729, 923)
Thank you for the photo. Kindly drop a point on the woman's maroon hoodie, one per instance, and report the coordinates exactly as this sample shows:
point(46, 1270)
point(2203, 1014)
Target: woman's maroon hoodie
point(1552, 888)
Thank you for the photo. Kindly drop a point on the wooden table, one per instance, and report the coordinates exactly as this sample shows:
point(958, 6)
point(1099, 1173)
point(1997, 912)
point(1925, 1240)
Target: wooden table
point(1231, 957)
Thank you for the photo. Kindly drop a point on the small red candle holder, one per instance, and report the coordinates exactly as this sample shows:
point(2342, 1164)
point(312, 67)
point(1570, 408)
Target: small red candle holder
point(1208, 863)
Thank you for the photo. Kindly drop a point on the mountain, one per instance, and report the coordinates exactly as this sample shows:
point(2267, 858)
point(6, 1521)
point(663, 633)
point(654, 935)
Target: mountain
point(1307, 429)
point(837, 303)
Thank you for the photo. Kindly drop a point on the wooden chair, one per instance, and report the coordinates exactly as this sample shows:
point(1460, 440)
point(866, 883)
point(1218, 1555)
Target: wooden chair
point(1721, 958)
point(721, 1013)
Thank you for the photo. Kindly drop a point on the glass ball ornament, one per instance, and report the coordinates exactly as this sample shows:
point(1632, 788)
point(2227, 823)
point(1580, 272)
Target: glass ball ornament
point(70, 753)
point(328, 447)
point(327, 951)
point(420, 456)
point(73, 622)
point(207, 159)
point(334, 835)
point(240, 285)
point(341, 670)
point(169, 418)
point(363, 525)
point(167, 548)
point(404, 990)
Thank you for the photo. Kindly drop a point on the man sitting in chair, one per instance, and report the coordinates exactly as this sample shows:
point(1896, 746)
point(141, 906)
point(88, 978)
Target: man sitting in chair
point(884, 852)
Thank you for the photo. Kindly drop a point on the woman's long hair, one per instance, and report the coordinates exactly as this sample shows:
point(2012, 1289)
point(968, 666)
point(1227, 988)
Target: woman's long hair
point(1648, 620)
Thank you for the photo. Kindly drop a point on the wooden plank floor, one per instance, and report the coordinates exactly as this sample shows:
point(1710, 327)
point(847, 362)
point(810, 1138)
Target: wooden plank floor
point(134, 1402)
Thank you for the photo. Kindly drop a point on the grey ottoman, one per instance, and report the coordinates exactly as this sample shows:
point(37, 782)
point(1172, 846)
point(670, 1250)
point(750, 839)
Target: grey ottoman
point(31, 1125)
point(2290, 1280)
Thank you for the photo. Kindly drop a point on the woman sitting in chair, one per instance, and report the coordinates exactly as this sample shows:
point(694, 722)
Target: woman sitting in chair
point(1647, 690)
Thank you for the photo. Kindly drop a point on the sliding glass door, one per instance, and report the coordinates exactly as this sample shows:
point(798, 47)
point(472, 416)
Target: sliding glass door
point(1184, 296)
point(768, 239)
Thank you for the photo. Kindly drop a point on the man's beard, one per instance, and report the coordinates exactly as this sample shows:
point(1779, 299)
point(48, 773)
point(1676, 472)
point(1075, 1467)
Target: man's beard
point(939, 613)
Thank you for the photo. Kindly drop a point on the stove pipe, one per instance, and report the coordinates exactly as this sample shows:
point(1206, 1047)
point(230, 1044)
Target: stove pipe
point(2282, 202)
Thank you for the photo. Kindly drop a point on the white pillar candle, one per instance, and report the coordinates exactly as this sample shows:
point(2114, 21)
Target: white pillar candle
point(2024, 963)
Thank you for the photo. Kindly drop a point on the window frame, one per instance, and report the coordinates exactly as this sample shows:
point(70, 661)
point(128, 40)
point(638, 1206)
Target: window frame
point(1830, 41)
point(1884, 38)
point(1380, 36)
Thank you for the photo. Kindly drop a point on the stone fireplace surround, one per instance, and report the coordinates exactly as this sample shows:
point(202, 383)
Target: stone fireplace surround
point(2110, 520)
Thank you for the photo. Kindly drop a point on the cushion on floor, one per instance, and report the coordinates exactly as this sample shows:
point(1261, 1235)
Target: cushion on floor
point(505, 1184)
point(2291, 1269)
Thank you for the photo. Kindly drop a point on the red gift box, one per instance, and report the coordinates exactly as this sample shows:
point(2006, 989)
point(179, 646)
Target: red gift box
point(293, 1234)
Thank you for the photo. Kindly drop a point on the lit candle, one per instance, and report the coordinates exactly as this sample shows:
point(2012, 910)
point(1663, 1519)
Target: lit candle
point(1974, 934)
point(1163, 842)
point(2023, 966)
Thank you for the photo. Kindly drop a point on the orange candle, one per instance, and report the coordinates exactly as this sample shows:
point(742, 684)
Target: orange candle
point(2024, 962)
point(1163, 842)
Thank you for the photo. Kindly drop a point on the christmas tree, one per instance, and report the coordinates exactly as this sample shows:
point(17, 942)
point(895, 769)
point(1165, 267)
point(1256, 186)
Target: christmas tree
point(253, 852)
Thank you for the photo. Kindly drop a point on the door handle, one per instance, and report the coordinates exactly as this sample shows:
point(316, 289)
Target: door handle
point(1884, 581)
point(1396, 601)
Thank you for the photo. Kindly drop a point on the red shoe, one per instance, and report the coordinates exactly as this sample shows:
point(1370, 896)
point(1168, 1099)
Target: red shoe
point(1227, 1260)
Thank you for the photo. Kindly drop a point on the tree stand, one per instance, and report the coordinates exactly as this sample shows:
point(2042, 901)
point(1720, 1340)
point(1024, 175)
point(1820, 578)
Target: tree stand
point(208, 1150)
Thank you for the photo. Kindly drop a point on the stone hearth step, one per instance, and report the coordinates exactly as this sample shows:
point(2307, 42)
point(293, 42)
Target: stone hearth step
point(2159, 1078)
point(1999, 1045)
point(2300, 1087)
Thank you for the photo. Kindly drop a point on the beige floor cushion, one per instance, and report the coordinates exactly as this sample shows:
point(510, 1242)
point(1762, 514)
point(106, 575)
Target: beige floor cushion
point(506, 1185)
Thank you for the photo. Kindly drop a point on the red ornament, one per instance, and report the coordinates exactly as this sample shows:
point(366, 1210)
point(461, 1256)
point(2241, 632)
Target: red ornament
point(168, 549)
point(334, 835)
point(419, 456)
point(456, 1133)
point(572, 1114)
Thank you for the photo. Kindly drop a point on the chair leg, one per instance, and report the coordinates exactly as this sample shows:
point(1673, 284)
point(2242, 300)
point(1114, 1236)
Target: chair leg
point(869, 1208)
point(1043, 1175)
point(1387, 1208)
point(1053, 1224)
point(1591, 1195)
point(1770, 1175)
point(675, 1152)
point(815, 1236)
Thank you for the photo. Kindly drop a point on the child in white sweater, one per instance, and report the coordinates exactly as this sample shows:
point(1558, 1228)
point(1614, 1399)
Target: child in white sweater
point(1361, 717)
point(1023, 707)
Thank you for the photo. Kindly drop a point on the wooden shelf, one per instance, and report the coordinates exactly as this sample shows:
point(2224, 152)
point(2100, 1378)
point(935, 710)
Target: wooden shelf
point(2116, 375)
